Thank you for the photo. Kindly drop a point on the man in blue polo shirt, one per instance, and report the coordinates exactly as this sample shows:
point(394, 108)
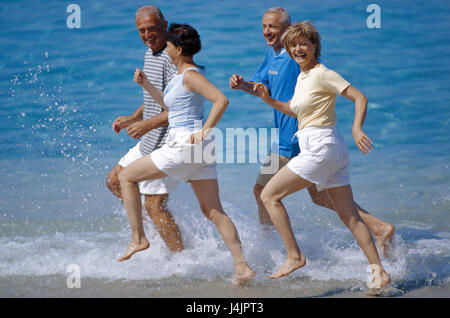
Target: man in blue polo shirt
point(279, 73)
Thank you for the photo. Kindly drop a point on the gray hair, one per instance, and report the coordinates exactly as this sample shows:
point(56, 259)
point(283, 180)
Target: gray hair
point(149, 10)
point(284, 14)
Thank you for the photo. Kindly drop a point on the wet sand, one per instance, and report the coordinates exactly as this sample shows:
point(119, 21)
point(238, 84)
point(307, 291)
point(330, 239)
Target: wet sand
point(55, 286)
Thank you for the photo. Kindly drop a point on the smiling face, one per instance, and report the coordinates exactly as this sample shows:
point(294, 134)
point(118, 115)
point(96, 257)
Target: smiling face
point(303, 51)
point(152, 31)
point(273, 29)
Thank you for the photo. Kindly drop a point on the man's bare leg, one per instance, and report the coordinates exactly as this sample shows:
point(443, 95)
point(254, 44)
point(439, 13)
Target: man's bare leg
point(156, 206)
point(382, 231)
point(264, 217)
point(113, 183)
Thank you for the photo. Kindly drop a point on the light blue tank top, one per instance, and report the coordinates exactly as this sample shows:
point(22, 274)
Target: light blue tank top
point(185, 107)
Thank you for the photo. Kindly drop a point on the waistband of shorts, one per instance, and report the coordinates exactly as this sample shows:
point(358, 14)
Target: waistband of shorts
point(313, 129)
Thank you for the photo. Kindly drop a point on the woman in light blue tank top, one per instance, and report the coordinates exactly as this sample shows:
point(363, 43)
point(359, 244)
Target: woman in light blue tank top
point(183, 99)
point(185, 106)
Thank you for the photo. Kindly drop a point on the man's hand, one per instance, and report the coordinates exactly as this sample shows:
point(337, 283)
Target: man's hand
point(236, 82)
point(137, 129)
point(120, 122)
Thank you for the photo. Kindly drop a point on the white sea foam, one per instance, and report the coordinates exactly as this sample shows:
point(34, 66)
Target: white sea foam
point(330, 256)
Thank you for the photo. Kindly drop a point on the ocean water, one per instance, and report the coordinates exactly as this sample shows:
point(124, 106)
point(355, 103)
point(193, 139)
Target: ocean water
point(61, 89)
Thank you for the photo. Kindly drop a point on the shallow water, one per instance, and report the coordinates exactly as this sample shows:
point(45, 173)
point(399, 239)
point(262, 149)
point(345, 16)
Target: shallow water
point(61, 89)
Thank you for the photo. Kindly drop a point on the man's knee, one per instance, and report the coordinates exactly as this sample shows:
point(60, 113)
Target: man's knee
point(350, 219)
point(112, 180)
point(257, 189)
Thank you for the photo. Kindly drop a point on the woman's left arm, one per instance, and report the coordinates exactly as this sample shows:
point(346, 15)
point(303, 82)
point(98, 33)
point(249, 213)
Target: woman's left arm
point(363, 142)
point(198, 83)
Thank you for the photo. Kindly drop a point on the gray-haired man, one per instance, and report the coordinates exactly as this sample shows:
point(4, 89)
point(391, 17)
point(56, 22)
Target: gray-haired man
point(149, 123)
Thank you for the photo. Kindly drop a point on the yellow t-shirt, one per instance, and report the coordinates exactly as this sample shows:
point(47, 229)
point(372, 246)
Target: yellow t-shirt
point(314, 100)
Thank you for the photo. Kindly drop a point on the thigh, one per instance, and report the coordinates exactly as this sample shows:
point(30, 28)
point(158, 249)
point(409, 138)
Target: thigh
point(272, 164)
point(319, 197)
point(283, 183)
point(207, 193)
point(142, 169)
point(342, 199)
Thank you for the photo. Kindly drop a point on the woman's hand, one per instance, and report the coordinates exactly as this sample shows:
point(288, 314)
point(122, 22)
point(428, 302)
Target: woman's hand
point(140, 77)
point(263, 92)
point(197, 137)
point(362, 141)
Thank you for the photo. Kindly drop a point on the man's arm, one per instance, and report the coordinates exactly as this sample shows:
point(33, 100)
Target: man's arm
point(125, 121)
point(140, 128)
point(238, 82)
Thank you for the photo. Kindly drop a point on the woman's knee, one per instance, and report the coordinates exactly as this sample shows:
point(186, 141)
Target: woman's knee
point(125, 177)
point(268, 198)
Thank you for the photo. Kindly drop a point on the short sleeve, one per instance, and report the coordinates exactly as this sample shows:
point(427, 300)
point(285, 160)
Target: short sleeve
point(262, 74)
point(169, 71)
point(333, 82)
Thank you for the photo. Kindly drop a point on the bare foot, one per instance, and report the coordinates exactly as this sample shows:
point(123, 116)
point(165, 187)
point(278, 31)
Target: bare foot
point(242, 274)
point(384, 239)
point(290, 265)
point(134, 247)
point(384, 280)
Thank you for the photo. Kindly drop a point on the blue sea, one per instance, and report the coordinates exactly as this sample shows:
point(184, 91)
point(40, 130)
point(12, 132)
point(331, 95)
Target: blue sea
point(61, 88)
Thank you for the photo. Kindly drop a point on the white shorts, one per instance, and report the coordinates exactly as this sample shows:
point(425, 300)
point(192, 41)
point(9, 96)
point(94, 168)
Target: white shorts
point(157, 186)
point(184, 161)
point(323, 157)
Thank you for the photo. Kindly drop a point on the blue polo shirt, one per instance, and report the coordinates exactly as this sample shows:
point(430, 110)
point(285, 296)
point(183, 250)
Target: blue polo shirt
point(279, 73)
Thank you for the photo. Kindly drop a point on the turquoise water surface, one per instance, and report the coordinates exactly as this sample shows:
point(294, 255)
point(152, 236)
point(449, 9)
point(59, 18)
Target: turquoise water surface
point(61, 89)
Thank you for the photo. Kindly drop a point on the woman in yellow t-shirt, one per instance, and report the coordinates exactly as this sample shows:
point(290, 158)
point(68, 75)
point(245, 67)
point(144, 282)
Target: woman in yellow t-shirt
point(324, 158)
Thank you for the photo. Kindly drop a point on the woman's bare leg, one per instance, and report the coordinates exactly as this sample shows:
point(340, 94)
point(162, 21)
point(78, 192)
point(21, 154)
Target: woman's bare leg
point(207, 192)
point(282, 184)
point(382, 231)
point(140, 170)
point(342, 199)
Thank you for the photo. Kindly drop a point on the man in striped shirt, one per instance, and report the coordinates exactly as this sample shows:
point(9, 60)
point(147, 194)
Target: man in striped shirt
point(150, 122)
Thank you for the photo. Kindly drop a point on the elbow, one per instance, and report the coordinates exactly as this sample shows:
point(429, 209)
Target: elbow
point(225, 102)
point(364, 99)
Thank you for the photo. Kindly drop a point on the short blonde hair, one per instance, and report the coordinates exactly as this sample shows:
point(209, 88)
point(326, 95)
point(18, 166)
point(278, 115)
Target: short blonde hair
point(302, 28)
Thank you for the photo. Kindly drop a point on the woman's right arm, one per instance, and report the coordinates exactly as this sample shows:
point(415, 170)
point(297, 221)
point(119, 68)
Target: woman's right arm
point(284, 107)
point(157, 94)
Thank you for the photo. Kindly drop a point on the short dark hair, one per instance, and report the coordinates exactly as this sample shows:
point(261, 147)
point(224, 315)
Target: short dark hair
point(184, 36)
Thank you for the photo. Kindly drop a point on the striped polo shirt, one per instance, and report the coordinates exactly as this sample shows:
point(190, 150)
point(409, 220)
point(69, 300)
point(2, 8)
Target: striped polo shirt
point(159, 71)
